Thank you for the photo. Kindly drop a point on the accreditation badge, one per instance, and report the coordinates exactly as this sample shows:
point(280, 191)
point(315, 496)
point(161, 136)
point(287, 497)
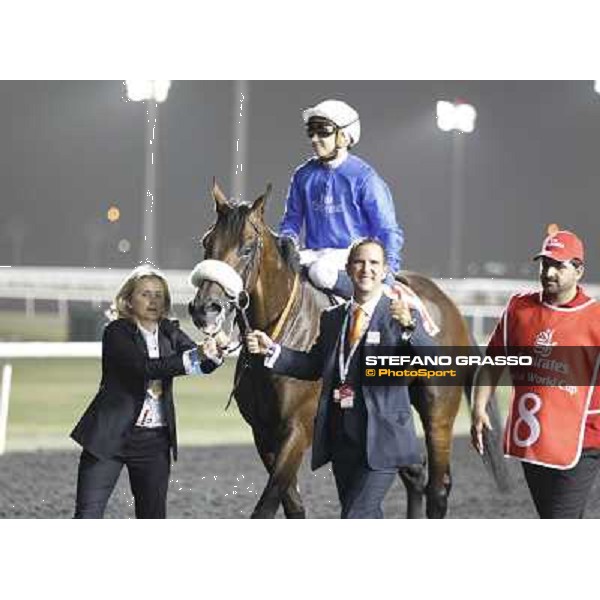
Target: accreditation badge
point(373, 337)
point(344, 395)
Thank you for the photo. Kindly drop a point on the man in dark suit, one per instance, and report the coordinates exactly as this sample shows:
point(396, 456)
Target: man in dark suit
point(366, 431)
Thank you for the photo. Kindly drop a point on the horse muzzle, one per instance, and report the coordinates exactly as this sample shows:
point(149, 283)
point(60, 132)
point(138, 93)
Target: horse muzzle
point(209, 316)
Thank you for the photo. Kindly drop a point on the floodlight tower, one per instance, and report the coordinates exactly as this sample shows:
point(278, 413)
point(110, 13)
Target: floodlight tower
point(457, 118)
point(240, 140)
point(152, 92)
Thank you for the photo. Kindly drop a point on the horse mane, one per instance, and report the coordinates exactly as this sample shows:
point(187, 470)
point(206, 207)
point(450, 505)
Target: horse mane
point(236, 217)
point(288, 252)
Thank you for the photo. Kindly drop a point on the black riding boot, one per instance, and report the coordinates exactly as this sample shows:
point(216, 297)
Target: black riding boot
point(343, 286)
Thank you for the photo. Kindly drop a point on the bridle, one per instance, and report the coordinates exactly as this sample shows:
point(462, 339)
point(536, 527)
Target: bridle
point(240, 303)
point(241, 315)
point(250, 266)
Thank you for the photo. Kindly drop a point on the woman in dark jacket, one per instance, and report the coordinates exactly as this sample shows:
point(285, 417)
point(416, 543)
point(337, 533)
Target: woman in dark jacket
point(131, 421)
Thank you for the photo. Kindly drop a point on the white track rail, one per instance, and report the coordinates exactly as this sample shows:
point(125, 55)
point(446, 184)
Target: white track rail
point(4, 398)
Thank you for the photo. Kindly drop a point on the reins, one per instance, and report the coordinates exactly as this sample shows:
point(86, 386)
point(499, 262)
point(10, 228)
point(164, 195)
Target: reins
point(286, 311)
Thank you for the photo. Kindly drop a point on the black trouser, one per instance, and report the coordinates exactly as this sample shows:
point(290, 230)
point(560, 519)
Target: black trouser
point(562, 494)
point(343, 286)
point(361, 490)
point(147, 458)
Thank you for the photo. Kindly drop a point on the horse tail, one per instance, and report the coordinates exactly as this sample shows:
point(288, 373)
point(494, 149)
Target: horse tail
point(493, 456)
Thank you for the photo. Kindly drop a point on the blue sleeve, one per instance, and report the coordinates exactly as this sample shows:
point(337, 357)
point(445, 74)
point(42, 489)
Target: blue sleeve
point(378, 205)
point(194, 366)
point(293, 217)
point(300, 365)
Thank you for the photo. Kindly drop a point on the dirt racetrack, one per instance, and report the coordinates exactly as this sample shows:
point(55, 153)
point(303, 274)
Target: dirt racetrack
point(224, 482)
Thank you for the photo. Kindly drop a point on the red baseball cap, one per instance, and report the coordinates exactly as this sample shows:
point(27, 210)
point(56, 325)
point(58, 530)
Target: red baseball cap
point(562, 246)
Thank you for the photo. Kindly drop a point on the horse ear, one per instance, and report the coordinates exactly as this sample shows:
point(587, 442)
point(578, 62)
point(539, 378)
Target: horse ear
point(219, 197)
point(259, 203)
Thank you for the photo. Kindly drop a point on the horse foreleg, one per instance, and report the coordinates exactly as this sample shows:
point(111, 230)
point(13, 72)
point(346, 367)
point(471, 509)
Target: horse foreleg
point(268, 506)
point(414, 478)
point(293, 506)
point(440, 480)
point(438, 434)
point(281, 486)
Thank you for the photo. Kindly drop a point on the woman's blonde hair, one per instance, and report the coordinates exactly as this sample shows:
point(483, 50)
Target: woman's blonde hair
point(121, 307)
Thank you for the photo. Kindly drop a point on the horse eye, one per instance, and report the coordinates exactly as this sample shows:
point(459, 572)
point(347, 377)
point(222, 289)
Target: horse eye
point(246, 252)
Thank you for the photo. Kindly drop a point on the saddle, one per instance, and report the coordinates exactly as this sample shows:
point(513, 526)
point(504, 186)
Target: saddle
point(400, 289)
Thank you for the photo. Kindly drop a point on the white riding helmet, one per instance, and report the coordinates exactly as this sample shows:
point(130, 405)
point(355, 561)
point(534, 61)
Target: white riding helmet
point(342, 115)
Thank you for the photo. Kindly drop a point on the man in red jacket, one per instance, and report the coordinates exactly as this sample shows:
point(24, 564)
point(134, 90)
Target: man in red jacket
point(553, 426)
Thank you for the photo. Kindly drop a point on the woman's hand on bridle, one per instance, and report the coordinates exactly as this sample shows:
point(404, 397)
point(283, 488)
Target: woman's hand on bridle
point(208, 349)
point(222, 340)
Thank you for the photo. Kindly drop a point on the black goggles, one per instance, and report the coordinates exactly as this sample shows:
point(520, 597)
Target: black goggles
point(322, 130)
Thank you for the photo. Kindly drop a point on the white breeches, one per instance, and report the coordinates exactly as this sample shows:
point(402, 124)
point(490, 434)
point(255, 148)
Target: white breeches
point(324, 265)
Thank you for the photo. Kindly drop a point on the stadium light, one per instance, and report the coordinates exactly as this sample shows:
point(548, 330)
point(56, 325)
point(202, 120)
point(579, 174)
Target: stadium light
point(458, 116)
point(240, 139)
point(139, 90)
point(152, 92)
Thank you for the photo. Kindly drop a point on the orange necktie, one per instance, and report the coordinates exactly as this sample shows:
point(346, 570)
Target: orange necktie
point(358, 320)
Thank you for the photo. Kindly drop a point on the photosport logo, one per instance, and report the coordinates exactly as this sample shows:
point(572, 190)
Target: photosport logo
point(544, 364)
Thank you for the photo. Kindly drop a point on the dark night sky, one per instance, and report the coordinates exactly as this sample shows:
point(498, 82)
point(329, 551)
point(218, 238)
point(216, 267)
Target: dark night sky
point(68, 150)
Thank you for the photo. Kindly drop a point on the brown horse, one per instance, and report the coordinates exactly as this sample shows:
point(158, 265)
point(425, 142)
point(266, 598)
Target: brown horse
point(280, 410)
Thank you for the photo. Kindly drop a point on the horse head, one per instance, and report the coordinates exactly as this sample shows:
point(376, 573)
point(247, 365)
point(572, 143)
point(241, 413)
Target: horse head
point(229, 273)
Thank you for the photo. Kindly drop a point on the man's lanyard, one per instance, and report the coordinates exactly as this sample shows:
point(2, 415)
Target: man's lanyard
point(344, 364)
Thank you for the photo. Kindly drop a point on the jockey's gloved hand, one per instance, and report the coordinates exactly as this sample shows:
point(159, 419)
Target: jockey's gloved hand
point(288, 239)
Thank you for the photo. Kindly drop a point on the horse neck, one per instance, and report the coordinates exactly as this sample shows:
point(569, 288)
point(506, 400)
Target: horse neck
point(273, 288)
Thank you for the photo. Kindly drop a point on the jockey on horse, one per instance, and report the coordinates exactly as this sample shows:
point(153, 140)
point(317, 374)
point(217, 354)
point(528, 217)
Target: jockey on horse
point(338, 198)
point(249, 272)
